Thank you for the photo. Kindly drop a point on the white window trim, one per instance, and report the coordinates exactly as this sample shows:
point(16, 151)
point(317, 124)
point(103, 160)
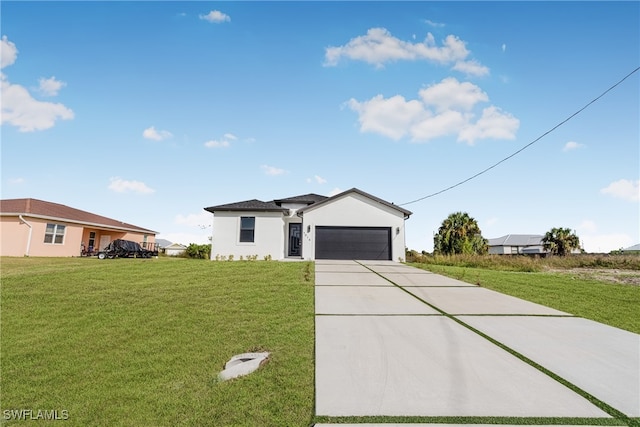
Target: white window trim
point(55, 233)
point(255, 225)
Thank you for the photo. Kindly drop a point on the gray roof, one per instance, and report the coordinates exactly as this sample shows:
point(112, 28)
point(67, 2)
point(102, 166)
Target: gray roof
point(271, 206)
point(633, 248)
point(163, 243)
point(247, 205)
point(305, 198)
point(517, 240)
point(362, 193)
point(312, 200)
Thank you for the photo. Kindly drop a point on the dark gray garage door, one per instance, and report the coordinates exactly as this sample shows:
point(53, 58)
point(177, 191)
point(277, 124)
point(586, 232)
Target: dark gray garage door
point(365, 243)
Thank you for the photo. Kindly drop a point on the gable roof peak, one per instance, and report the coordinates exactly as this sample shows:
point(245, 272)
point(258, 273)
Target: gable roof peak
point(406, 212)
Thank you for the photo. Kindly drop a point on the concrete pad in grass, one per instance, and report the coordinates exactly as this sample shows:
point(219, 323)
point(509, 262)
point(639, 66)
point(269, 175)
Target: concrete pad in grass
point(367, 300)
point(426, 279)
point(602, 360)
point(349, 279)
point(341, 268)
point(477, 300)
point(428, 366)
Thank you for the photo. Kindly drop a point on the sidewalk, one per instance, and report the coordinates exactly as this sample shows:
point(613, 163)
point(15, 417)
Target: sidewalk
point(414, 348)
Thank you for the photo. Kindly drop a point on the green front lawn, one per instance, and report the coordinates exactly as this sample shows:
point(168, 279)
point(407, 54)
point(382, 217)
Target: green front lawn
point(140, 342)
point(612, 304)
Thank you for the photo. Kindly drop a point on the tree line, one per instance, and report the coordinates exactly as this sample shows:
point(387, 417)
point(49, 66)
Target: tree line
point(461, 234)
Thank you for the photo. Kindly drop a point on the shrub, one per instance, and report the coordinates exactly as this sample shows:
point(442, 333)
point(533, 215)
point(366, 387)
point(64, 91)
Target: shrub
point(198, 251)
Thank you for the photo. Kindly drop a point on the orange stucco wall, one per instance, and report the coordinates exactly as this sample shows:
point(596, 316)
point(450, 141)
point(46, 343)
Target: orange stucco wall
point(14, 238)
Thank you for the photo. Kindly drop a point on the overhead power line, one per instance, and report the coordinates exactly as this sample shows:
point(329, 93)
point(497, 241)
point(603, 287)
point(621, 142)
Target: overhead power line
point(526, 146)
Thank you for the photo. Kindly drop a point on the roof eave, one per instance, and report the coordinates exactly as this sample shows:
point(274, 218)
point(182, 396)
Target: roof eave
point(74, 221)
point(214, 209)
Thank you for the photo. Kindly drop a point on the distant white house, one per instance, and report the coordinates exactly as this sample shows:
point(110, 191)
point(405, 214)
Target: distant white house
point(174, 249)
point(513, 244)
point(349, 225)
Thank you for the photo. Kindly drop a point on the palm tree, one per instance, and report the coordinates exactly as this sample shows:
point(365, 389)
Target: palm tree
point(560, 241)
point(459, 234)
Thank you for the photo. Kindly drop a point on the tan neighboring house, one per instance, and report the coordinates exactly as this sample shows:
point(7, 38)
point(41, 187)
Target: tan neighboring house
point(32, 227)
point(174, 249)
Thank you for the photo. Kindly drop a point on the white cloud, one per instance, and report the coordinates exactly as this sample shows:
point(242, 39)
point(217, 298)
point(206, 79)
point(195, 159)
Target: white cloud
point(378, 46)
point(390, 117)
point(434, 24)
point(152, 133)
point(16, 181)
point(217, 143)
point(494, 124)
point(186, 238)
point(593, 242)
point(572, 145)
point(334, 192)
point(434, 126)
point(224, 142)
point(604, 243)
point(50, 86)
point(120, 185)
point(450, 93)
point(8, 52)
point(471, 68)
point(272, 171)
point(202, 220)
point(216, 17)
point(319, 179)
point(624, 189)
point(443, 109)
point(19, 108)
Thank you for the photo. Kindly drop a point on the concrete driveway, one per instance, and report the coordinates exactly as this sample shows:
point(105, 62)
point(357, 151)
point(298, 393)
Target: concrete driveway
point(393, 340)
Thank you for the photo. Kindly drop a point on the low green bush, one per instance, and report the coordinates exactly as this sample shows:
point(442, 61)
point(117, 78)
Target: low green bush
point(198, 251)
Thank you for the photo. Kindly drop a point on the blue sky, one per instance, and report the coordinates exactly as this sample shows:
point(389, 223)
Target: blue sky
point(148, 112)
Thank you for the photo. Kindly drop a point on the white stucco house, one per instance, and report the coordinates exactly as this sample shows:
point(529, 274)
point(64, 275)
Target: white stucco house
point(349, 225)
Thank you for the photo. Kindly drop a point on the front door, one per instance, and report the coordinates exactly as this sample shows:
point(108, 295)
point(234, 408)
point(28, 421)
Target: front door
point(295, 239)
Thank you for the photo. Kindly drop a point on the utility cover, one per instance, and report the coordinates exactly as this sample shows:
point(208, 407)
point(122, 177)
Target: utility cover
point(243, 364)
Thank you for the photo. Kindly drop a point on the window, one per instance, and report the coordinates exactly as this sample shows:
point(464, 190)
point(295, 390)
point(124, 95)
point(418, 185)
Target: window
point(247, 228)
point(54, 233)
